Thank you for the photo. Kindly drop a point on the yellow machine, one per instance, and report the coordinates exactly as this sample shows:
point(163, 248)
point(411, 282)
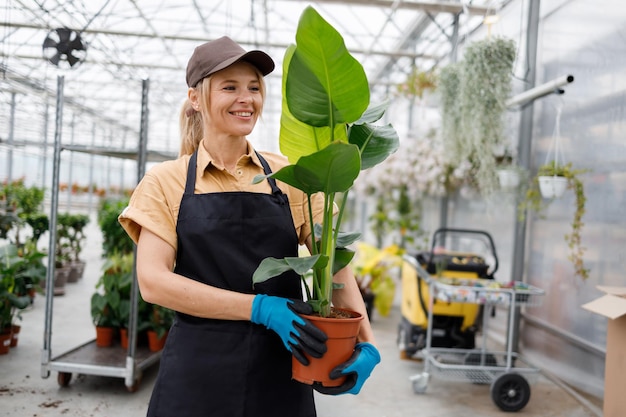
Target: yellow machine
point(455, 253)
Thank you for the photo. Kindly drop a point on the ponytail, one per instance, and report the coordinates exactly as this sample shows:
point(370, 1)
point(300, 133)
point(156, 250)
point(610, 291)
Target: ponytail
point(190, 129)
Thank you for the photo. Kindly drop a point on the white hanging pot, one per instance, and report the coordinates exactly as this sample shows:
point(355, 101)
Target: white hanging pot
point(552, 186)
point(508, 178)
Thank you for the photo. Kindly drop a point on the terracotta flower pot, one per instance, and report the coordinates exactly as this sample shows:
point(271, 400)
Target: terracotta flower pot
point(5, 341)
point(342, 333)
point(104, 336)
point(15, 334)
point(155, 343)
point(124, 338)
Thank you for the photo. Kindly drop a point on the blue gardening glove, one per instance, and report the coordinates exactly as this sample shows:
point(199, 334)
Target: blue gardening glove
point(357, 369)
point(298, 334)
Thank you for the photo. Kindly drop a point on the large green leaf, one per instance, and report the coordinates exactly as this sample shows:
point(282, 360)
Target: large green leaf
point(298, 139)
point(373, 113)
point(376, 142)
point(325, 85)
point(331, 170)
point(272, 267)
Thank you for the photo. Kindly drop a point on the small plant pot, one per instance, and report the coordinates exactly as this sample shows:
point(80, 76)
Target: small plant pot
point(124, 338)
point(15, 334)
point(5, 341)
point(552, 186)
point(342, 333)
point(76, 271)
point(104, 336)
point(155, 343)
point(508, 178)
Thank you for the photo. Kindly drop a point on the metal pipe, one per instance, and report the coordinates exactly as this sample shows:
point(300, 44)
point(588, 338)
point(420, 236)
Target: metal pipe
point(540, 91)
point(46, 352)
point(523, 148)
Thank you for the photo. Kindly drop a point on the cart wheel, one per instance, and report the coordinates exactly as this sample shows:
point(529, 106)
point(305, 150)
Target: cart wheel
point(63, 378)
point(510, 392)
point(477, 376)
point(420, 382)
point(134, 387)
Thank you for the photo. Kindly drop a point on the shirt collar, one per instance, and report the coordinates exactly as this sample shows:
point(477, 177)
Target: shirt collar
point(204, 158)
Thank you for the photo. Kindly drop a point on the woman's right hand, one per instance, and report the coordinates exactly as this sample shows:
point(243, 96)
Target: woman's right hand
point(298, 334)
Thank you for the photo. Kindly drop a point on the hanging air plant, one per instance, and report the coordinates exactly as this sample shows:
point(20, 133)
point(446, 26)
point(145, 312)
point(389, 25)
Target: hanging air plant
point(474, 93)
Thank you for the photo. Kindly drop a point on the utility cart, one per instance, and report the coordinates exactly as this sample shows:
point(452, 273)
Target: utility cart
point(88, 358)
point(464, 279)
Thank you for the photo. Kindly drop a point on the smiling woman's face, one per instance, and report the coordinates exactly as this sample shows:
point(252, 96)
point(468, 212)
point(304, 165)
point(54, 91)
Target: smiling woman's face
point(236, 100)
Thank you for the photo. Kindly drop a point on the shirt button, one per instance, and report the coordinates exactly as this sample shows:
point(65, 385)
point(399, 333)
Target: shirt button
point(239, 172)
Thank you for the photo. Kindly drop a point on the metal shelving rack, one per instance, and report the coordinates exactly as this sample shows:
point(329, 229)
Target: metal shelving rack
point(88, 358)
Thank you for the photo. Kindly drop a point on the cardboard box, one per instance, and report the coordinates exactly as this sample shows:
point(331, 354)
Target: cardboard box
point(613, 306)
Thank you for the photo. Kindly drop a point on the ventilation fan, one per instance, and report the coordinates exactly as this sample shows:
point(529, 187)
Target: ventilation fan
point(64, 45)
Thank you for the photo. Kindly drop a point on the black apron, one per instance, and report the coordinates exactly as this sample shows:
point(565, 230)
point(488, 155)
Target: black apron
point(227, 368)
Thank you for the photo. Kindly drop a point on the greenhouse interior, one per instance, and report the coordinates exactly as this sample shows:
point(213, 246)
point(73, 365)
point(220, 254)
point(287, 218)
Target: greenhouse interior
point(479, 104)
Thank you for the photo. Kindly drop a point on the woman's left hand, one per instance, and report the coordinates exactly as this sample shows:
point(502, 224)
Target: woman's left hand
point(357, 369)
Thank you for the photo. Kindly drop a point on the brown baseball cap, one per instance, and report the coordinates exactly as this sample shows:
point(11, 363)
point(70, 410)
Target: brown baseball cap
point(218, 54)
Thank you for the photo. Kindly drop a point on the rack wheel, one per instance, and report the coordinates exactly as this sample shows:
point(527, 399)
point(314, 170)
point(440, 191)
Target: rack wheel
point(134, 387)
point(510, 392)
point(64, 378)
point(420, 382)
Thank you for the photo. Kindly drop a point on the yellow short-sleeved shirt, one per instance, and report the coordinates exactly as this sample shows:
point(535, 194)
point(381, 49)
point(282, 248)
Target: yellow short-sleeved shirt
point(155, 202)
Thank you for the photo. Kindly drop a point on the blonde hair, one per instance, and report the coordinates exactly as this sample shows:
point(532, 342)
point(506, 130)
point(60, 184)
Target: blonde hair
point(192, 122)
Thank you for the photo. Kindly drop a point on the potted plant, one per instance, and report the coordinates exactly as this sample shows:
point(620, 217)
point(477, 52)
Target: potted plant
point(11, 302)
point(535, 200)
point(329, 137)
point(161, 319)
point(110, 303)
point(76, 237)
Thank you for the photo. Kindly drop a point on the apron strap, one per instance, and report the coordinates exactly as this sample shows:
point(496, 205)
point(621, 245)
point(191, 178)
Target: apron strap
point(191, 174)
point(190, 185)
point(267, 170)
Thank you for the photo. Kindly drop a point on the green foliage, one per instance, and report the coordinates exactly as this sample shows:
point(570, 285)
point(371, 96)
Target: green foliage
point(110, 304)
point(328, 136)
point(534, 201)
point(418, 82)
point(115, 239)
point(473, 94)
point(161, 319)
point(12, 300)
point(17, 203)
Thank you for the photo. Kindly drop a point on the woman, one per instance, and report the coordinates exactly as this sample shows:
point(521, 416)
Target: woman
point(201, 230)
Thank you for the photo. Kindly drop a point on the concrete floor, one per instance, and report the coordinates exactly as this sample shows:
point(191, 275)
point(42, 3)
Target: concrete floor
point(388, 393)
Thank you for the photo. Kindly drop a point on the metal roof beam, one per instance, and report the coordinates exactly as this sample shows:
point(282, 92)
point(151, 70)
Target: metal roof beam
point(425, 6)
point(396, 54)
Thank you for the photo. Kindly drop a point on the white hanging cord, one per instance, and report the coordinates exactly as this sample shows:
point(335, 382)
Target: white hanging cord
point(555, 144)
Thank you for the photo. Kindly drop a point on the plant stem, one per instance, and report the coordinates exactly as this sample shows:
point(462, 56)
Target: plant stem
point(327, 248)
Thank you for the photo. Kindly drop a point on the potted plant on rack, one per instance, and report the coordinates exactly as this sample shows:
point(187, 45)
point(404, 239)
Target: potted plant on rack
point(329, 137)
point(110, 303)
point(11, 302)
point(76, 237)
point(537, 199)
point(161, 319)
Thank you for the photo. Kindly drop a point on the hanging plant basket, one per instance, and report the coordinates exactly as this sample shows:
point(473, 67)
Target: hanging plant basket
point(552, 186)
point(508, 178)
